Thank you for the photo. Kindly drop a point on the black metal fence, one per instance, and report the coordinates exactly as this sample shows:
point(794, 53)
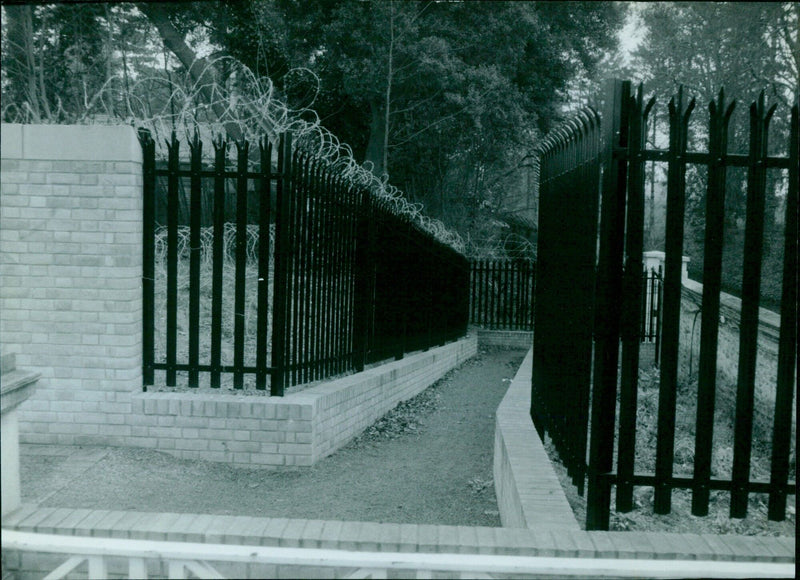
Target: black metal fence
point(573, 303)
point(320, 278)
point(652, 287)
point(501, 294)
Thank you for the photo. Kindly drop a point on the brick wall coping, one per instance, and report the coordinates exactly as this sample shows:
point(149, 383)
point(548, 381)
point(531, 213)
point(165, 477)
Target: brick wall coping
point(70, 142)
point(529, 493)
point(391, 537)
point(769, 322)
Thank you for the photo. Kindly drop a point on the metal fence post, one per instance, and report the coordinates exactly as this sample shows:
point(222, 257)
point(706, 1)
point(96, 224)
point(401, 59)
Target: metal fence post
point(607, 307)
point(279, 316)
point(148, 255)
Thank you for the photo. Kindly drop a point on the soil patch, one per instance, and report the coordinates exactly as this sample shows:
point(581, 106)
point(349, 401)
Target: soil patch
point(429, 461)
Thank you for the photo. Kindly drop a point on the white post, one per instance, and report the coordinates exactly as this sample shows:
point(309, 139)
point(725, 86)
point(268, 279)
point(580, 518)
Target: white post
point(16, 387)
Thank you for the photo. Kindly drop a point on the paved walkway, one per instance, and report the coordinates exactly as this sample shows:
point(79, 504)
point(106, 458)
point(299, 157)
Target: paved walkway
point(438, 473)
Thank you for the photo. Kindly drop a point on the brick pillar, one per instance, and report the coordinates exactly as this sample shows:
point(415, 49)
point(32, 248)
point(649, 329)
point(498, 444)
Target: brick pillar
point(70, 296)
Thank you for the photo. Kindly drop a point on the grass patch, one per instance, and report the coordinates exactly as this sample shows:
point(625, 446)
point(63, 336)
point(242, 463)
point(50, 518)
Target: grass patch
point(228, 302)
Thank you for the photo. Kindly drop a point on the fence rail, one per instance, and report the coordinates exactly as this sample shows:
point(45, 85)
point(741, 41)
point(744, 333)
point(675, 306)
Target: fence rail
point(570, 177)
point(320, 278)
point(501, 293)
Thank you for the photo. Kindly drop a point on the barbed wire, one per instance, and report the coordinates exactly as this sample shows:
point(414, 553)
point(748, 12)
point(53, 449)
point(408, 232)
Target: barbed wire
point(201, 105)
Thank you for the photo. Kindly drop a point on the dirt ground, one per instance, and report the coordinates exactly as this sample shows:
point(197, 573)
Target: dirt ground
point(428, 462)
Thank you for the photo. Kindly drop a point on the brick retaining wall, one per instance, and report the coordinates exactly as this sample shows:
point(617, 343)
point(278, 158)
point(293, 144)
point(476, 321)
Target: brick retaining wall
point(298, 429)
point(529, 493)
point(766, 374)
point(508, 338)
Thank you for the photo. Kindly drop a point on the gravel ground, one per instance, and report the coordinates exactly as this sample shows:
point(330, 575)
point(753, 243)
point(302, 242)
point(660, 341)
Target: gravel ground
point(429, 461)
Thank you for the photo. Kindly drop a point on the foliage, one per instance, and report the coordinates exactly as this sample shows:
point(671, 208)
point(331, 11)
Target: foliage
point(447, 98)
point(744, 48)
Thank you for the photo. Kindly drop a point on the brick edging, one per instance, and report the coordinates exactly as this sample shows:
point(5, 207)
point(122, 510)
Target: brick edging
point(529, 493)
point(389, 537)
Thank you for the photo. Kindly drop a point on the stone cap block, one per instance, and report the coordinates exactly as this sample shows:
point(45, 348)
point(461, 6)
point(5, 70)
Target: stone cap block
point(70, 142)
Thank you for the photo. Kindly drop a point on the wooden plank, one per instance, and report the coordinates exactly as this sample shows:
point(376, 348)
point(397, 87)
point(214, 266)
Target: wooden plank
point(440, 562)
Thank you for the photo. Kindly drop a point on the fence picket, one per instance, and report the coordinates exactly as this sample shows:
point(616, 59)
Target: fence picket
point(720, 115)
point(265, 149)
point(172, 259)
point(632, 297)
point(195, 248)
point(280, 299)
point(242, 149)
point(148, 255)
point(609, 279)
point(751, 290)
point(676, 203)
point(787, 341)
point(220, 154)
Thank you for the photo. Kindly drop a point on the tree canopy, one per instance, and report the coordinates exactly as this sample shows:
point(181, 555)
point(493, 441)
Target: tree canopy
point(445, 99)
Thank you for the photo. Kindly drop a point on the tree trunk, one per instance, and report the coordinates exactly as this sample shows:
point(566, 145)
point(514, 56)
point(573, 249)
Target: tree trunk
point(197, 67)
point(375, 146)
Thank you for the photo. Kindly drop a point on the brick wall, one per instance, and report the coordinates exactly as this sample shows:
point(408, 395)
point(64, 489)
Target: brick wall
point(71, 309)
point(529, 493)
point(298, 429)
point(766, 375)
point(642, 554)
point(506, 338)
point(71, 231)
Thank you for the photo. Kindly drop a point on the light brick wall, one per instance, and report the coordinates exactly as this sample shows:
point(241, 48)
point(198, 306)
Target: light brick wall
point(506, 338)
point(298, 429)
point(705, 551)
point(70, 300)
point(529, 493)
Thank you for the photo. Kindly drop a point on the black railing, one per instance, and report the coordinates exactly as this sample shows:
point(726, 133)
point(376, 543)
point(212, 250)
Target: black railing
point(569, 290)
point(651, 307)
point(319, 278)
point(501, 294)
